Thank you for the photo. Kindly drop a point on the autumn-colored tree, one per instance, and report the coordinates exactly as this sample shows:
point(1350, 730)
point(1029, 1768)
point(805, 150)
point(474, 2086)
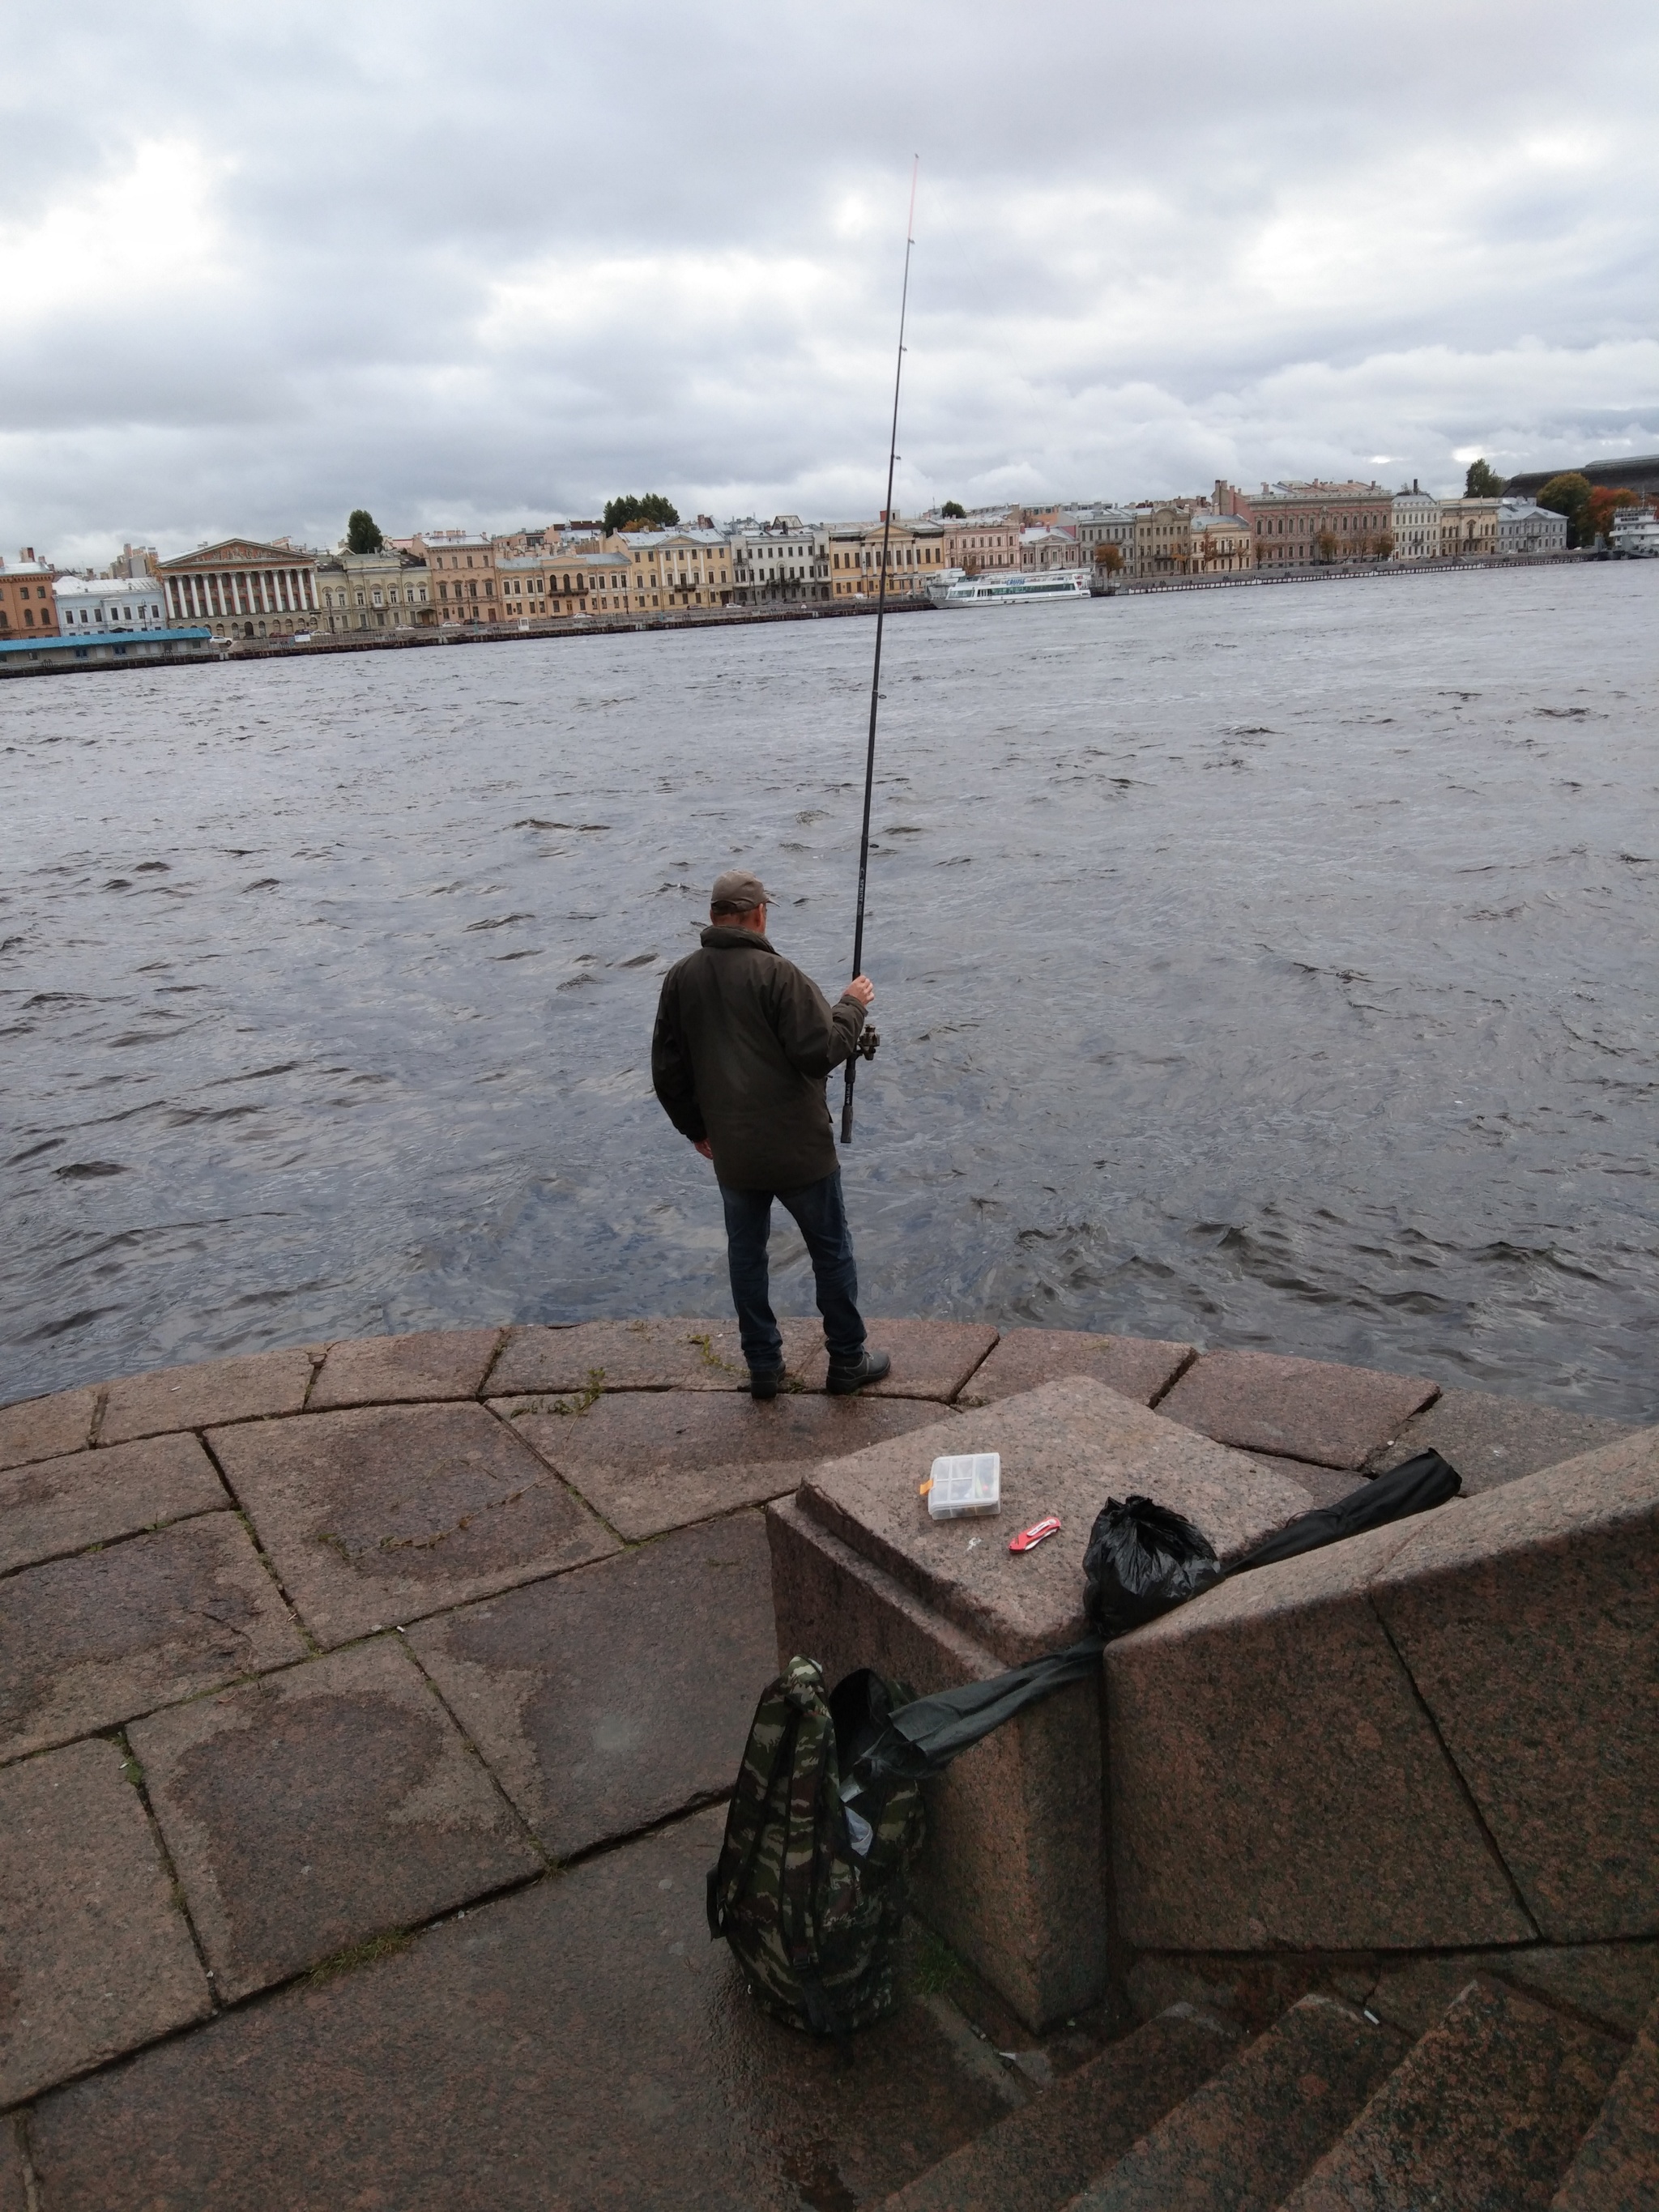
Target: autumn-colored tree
point(1603, 503)
point(1482, 482)
point(1569, 495)
point(1109, 557)
point(1325, 546)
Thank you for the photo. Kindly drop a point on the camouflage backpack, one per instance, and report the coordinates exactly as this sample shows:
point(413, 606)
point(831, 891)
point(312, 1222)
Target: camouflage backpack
point(809, 1887)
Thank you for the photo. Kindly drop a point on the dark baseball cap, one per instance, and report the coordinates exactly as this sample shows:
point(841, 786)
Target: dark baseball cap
point(740, 891)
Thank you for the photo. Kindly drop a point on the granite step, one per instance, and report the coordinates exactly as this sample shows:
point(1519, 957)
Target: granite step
point(1486, 2114)
point(1241, 2142)
point(1035, 2160)
point(1617, 2168)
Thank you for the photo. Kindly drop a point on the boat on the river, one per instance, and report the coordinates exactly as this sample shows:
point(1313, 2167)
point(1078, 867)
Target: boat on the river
point(955, 587)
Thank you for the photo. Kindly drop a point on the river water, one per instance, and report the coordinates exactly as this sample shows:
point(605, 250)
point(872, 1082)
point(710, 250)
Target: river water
point(1271, 966)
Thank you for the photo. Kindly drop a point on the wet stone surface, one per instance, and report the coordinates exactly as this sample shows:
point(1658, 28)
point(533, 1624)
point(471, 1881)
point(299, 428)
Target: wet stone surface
point(931, 1359)
point(400, 1370)
point(90, 1641)
point(652, 1461)
point(60, 1505)
point(95, 1958)
point(321, 1807)
point(45, 1428)
point(250, 1388)
point(674, 1354)
point(584, 2028)
point(1140, 1367)
point(376, 1515)
point(610, 1698)
point(1308, 1409)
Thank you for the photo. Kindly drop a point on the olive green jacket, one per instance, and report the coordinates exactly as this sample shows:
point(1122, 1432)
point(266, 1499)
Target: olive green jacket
point(742, 1051)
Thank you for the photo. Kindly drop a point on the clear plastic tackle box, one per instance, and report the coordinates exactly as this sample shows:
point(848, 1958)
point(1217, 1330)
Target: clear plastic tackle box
point(965, 1484)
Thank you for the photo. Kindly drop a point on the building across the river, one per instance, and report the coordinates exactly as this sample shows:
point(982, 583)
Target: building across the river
point(27, 596)
point(387, 590)
point(242, 588)
point(116, 604)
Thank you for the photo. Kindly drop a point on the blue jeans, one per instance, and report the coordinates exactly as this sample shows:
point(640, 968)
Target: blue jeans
point(821, 1218)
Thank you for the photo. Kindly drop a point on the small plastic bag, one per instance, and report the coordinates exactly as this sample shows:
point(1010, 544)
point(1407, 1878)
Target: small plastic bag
point(1142, 1558)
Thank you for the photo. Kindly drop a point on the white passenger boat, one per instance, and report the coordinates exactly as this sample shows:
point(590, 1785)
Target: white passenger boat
point(955, 587)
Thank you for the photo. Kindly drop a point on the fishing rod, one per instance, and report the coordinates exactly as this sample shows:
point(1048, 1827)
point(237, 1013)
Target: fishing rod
point(866, 1047)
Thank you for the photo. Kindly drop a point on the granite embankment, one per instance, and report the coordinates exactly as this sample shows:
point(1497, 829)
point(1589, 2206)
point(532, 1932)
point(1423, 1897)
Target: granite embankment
point(366, 1710)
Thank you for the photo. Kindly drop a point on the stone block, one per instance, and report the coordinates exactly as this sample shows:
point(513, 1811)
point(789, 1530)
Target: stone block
point(1492, 1440)
point(59, 1505)
point(613, 1697)
point(1325, 1486)
point(245, 1389)
point(657, 1460)
point(1528, 1617)
point(1617, 2166)
point(1250, 2134)
point(1137, 1367)
point(95, 1956)
point(1612, 1985)
point(320, 1806)
point(1275, 1781)
point(386, 1370)
point(378, 1515)
point(14, 2184)
point(626, 1355)
point(1486, 2111)
point(90, 1641)
point(1013, 1871)
point(1066, 1447)
point(46, 1428)
point(1311, 1409)
point(582, 2042)
point(931, 1359)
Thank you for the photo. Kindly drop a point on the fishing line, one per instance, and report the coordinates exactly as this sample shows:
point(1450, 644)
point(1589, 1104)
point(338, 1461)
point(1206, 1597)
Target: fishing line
point(867, 1043)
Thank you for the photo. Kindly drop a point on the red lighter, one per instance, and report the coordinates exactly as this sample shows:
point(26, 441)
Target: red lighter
point(1028, 1538)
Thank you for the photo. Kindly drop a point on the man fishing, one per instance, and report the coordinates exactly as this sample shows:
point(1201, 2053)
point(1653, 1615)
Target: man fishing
point(742, 1050)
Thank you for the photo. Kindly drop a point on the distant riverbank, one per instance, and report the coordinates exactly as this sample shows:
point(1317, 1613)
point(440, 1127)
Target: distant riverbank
point(700, 618)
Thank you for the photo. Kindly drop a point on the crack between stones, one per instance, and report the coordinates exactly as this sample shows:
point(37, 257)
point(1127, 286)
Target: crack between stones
point(1470, 1804)
point(133, 1773)
point(264, 1558)
point(1157, 1400)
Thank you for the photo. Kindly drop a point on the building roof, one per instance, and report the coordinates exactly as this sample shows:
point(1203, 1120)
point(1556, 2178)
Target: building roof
point(83, 639)
point(280, 554)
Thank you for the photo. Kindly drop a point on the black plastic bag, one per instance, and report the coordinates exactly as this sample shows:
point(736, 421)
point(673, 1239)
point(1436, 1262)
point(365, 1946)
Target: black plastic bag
point(1142, 1558)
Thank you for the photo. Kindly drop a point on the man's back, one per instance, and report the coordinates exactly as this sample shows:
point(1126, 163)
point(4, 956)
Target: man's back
point(743, 1044)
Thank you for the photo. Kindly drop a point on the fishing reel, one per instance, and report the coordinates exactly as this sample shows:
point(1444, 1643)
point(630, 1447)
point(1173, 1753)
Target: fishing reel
point(867, 1041)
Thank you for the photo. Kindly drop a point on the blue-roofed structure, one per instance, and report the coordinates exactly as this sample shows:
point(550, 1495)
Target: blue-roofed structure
point(34, 656)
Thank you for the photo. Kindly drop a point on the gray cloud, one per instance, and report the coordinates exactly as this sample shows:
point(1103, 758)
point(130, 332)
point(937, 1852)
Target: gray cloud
point(494, 266)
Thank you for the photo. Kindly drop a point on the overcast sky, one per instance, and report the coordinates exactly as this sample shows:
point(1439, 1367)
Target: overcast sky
point(491, 263)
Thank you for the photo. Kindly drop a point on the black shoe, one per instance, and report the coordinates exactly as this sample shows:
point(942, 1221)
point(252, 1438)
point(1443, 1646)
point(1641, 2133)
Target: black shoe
point(765, 1382)
point(846, 1376)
